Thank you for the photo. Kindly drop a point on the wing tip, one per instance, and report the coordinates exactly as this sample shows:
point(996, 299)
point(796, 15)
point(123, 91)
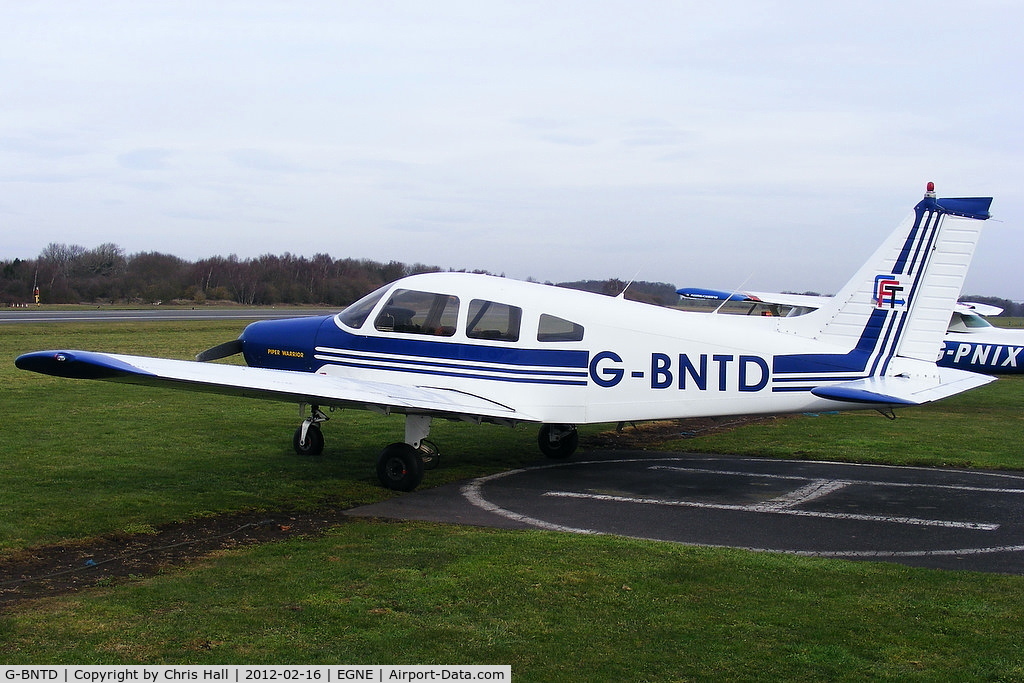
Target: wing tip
point(76, 364)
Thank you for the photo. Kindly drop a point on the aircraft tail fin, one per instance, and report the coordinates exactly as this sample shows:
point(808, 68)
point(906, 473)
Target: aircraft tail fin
point(895, 311)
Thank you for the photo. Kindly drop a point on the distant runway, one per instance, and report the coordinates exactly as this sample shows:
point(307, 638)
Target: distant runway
point(35, 315)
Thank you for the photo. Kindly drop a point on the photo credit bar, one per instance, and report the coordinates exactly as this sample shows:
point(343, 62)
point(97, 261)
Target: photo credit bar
point(142, 673)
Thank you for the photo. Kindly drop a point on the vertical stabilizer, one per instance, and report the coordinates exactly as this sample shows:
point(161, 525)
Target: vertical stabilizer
point(899, 304)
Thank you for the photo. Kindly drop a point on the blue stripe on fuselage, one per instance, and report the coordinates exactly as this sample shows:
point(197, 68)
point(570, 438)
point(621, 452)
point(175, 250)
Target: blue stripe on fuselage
point(853, 361)
point(305, 344)
point(367, 361)
point(300, 339)
point(467, 373)
point(332, 338)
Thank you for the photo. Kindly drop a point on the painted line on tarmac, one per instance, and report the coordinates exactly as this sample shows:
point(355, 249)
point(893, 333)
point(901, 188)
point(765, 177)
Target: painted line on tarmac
point(867, 554)
point(818, 488)
point(872, 482)
point(474, 494)
point(767, 509)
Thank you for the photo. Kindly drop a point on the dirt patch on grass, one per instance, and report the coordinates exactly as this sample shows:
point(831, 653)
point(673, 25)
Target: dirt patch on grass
point(67, 568)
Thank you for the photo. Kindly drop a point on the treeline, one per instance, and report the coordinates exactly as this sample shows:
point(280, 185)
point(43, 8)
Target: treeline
point(660, 293)
point(74, 274)
point(71, 274)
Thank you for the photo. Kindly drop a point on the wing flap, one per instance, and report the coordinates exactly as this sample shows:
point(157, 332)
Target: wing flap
point(279, 385)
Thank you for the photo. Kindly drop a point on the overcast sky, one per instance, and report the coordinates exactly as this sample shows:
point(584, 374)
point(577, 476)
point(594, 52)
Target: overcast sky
point(768, 145)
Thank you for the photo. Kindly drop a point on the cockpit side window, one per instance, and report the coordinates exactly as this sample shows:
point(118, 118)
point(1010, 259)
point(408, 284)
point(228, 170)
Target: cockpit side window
point(976, 321)
point(964, 321)
point(356, 314)
point(412, 312)
point(555, 329)
point(491, 320)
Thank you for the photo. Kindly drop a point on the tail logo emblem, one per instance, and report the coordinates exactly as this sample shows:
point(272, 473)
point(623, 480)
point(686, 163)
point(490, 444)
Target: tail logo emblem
point(887, 292)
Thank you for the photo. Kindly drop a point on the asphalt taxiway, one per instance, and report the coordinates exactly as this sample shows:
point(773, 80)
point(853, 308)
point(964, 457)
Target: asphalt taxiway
point(939, 518)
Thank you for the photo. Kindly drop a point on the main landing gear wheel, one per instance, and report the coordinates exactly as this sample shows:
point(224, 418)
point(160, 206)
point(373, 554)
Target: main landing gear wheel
point(558, 441)
point(400, 467)
point(313, 444)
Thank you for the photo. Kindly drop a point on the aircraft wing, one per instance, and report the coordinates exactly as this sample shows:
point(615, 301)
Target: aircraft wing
point(278, 385)
point(805, 301)
point(795, 300)
point(981, 309)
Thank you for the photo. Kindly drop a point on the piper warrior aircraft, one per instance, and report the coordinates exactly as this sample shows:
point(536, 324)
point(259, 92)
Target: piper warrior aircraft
point(971, 342)
point(488, 349)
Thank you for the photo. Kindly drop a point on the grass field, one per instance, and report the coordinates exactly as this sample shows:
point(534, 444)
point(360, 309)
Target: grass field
point(83, 459)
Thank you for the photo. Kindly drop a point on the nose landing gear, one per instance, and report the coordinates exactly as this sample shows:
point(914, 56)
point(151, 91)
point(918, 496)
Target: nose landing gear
point(309, 438)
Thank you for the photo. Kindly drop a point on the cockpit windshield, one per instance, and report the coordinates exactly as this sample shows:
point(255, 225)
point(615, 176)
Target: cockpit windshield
point(964, 322)
point(356, 314)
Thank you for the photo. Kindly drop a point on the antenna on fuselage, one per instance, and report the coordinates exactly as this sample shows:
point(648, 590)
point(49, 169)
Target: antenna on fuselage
point(732, 294)
point(622, 294)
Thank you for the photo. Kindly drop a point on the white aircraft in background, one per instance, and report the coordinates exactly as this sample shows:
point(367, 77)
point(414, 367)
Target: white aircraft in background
point(487, 349)
point(971, 342)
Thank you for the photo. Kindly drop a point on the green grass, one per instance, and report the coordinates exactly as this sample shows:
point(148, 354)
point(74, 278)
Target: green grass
point(557, 607)
point(89, 458)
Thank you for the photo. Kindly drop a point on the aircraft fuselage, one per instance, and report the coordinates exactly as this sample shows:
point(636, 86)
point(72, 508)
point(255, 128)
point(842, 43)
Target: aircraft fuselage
point(571, 357)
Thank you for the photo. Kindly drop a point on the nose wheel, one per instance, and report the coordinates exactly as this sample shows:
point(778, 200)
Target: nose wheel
point(310, 444)
point(309, 438)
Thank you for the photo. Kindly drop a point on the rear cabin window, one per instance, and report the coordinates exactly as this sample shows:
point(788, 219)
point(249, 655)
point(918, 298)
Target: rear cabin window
point(491, 320)
point(413, 312)
point(555, 329)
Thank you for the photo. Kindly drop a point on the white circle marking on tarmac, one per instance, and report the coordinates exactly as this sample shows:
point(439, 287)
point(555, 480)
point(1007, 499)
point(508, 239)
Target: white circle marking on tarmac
point(473, 492)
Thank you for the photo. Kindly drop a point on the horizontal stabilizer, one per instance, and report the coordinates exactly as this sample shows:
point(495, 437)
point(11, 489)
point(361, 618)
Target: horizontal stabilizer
point(967, 207)
point(901, 390)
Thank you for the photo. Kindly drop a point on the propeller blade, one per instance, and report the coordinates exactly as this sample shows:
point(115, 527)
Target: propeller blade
point(220, 351)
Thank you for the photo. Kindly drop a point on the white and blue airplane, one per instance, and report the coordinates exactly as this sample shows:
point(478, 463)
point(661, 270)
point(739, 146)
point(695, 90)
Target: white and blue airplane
point(971, 342)
point(480, 348)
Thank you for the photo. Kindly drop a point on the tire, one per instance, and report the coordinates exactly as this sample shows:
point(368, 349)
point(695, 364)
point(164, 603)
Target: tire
point(314, 444)
point(399, 467)
point(565, 445)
